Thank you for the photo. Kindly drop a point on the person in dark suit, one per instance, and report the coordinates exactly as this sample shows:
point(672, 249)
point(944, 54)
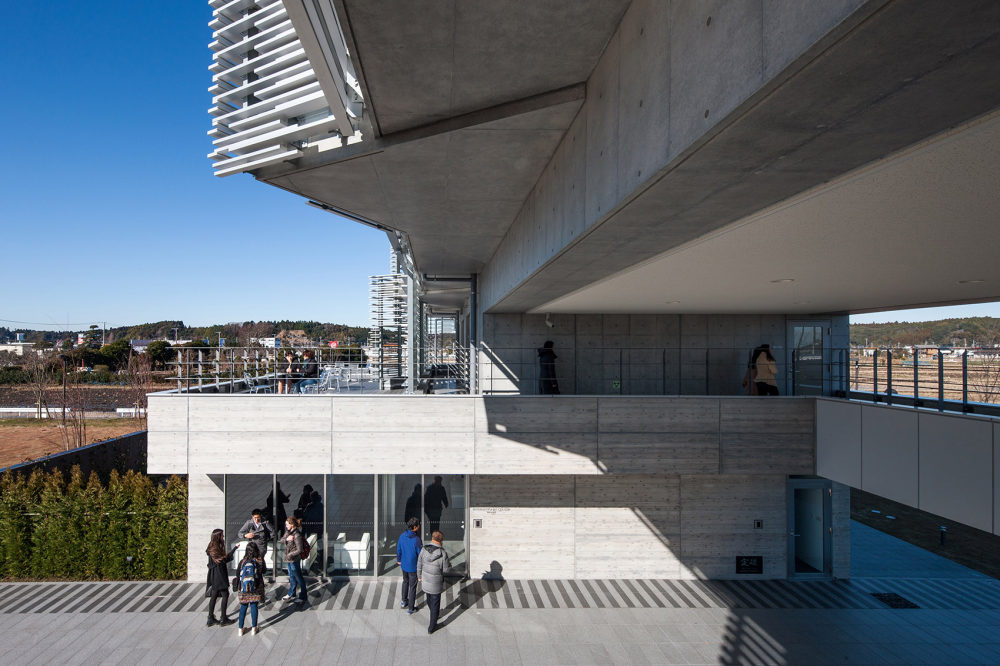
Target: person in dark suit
point(435, 502)
point(258, 530)
point(412, 509)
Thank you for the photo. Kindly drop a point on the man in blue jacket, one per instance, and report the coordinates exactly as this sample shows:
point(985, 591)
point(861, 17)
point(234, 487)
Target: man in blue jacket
point(407, 550)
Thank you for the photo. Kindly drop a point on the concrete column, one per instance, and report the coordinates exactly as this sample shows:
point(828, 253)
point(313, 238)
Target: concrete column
point(206, 512)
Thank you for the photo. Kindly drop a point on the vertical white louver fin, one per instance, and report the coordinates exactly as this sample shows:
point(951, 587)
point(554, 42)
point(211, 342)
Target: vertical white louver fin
point(268, 103)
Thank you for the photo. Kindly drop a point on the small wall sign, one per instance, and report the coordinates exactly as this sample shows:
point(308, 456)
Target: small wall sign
point(750, 564)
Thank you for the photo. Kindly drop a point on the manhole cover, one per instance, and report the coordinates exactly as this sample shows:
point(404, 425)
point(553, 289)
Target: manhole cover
point(893, 600)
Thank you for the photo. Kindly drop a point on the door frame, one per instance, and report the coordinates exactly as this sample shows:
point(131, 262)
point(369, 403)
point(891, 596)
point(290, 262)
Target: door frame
point(827, 327)
point(800, 483)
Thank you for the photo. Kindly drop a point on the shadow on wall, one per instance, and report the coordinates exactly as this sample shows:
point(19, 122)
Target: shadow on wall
point(629, 526)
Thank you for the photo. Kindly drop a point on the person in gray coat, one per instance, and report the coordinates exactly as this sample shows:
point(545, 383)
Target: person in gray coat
point(432, 565)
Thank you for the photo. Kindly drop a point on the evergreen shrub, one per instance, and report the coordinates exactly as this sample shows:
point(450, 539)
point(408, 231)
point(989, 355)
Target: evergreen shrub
point(54, 528)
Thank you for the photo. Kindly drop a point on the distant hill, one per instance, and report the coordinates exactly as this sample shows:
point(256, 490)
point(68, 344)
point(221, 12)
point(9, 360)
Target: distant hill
point(234, 332)
point(968, 331)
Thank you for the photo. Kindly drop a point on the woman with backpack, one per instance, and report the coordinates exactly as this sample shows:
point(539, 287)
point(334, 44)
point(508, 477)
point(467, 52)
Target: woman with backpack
point(295, 552)
point(249, 582)
point(218, 576)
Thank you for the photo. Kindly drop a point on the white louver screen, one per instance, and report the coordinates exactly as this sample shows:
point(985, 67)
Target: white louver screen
point(267, 102)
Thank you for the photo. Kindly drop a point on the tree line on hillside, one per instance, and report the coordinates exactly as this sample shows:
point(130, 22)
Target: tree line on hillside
point(967, 331)
point(76, 528)
point(235, 333)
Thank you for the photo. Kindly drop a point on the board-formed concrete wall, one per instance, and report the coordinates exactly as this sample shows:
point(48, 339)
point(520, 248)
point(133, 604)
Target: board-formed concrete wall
point(392, 434)
point(637, 526)
point(945, 464)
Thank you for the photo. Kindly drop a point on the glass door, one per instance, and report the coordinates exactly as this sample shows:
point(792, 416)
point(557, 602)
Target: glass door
point(400, 497)
point(444, 510)
point(808, 368)
point(809, 528)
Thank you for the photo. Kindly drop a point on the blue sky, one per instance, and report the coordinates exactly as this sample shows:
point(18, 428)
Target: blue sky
point(108, 207)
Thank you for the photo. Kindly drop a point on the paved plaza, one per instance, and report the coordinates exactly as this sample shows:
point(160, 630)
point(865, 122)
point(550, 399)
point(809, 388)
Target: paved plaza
point(956, 620)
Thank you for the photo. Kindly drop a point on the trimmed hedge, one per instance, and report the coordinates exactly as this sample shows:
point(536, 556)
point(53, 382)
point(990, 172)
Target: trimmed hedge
point(52, 527)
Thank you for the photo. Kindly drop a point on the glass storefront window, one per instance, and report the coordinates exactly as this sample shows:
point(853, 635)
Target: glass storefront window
point(301, 496)
point(350, 524)
point(244, 493)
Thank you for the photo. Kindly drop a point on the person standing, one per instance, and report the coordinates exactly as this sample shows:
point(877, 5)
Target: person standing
point(218, 576)
point(258, 531)
point(412, 507)
point(435, 501)
point(295, 548)
point(765, 371)
point(432, 565)
point(287, 372)
point(407, 551)
point(548, 384)
point(250, 585)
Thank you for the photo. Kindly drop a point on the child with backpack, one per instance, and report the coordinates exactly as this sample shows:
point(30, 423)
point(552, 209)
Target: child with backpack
point(249, 583)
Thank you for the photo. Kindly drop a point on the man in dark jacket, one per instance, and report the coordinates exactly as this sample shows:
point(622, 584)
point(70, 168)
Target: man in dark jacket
point(310, 371)
point(257, 530)
point(432, 565)
point(407, 550)
point(435, 501)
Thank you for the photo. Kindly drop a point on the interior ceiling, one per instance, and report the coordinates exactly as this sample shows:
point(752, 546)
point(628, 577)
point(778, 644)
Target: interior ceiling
point(906, 231)
point(425, 61)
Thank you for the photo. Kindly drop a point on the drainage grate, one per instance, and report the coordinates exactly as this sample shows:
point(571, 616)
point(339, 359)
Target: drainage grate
point(893, 600)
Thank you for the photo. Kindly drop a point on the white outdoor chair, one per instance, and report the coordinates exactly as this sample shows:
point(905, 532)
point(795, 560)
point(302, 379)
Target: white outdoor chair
point(254, 387)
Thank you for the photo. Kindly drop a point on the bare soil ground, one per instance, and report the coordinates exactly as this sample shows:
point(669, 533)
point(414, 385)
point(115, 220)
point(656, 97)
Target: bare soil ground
point(99, 398)
point(29, 439)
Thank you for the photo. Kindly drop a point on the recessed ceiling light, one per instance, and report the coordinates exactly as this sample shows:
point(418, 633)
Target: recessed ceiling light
point(671, 302)
point(782, 280)
point(971, 281)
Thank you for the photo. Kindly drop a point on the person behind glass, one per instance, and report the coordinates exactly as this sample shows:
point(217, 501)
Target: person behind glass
point(295, 547)
point(312, 521)
point(548, 385)
point(218, 576)
point(763, 371)
point(407, 550)
point(250, 585)
point(435, 502)
point(432, 565)
point(304, 500)
point(286, 372)
point(258, 531)
point(412, 507)
point(309, 370)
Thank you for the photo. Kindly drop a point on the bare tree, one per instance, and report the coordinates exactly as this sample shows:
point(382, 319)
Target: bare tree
point(76, 400)
point(984, 377)
point(39, 378)
point(138, 376)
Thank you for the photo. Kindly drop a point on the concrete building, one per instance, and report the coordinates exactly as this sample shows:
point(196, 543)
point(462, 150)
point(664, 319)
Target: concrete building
point(657, 188)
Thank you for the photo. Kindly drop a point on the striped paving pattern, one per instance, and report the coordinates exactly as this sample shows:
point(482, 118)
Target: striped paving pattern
point(146, 597)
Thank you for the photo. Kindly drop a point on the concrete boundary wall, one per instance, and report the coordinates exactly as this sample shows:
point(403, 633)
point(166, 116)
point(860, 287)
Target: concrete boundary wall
point(946, 464)
point(593, 435)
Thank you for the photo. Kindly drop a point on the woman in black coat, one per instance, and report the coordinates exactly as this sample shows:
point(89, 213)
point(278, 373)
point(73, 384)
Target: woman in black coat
point(218, 576)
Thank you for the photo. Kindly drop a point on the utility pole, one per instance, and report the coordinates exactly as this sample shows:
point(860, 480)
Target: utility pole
point(174, 329)
point(104, 325)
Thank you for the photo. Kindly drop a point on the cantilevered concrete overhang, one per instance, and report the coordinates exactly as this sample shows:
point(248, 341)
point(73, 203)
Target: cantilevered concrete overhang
point(489, 150)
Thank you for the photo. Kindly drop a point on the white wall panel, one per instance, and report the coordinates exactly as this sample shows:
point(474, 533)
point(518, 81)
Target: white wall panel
point(889, 460)
point(402, 452)
point(167, 452)
point(838, 441)
point(956, 469)
point(206, 512)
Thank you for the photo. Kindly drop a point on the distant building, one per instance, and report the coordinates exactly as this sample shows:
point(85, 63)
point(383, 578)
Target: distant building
point(18, 347)
point(267, 343)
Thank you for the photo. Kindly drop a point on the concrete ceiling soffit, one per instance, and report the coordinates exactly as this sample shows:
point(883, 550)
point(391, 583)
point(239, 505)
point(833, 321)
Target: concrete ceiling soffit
point(909, 72)
point(454, 187)
point(427, 61)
